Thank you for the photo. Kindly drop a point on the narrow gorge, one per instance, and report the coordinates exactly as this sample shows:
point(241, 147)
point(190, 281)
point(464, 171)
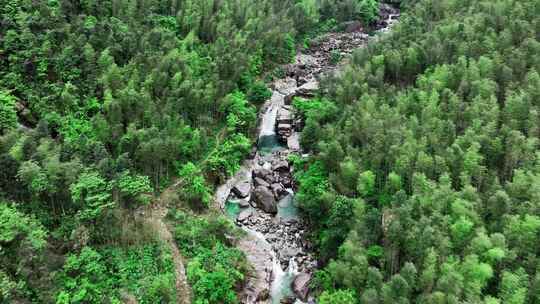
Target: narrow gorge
point(260, 197)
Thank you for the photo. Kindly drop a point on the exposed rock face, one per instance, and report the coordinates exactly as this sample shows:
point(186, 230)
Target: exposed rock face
point(287, 300)
point(301, 285)
point(264, 198)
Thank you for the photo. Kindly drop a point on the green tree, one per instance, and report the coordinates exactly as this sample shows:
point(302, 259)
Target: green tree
point(93, 193)
point(8, 114)
point(338, 297)
point(134, 189)
point(194, 188)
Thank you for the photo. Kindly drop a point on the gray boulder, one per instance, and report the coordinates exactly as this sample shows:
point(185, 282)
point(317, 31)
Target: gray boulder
point(261, 173)
point(279, 191)
point(293, 143)
point(242, 189)
point(281, 166)
point(260, 182)
point(264, 199)
point(308, 89)
point(284, 116)
point(301, 285)
point(284, 127)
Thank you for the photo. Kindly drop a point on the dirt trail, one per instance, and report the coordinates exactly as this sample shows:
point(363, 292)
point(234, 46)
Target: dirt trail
point(155, 217)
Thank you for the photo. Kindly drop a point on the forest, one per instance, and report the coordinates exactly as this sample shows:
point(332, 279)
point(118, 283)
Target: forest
point(423, 184)
point(119, 118)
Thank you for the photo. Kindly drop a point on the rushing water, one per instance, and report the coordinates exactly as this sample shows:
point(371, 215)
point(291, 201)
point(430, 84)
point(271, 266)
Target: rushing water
point(281, 286)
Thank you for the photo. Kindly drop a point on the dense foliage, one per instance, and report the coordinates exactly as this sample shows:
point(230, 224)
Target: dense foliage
point(216, 269)
point(110, 274)
point(104, 104)
point(427, 178)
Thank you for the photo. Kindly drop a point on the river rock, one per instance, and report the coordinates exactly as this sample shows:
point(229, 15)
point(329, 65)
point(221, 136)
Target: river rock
point(302, 80)
point(281, 166)
point(288, 253)
point(301, 285)
point(308, 90)
point(291, 70)
point(279, 190)
point(287, 107)
point(293, 142)
point(244, 215)
point(284, 116)
point(261, 182)
point(264, 198)
point(285, 127)
point(286, 181)
point(261, 173)
point(242, 189)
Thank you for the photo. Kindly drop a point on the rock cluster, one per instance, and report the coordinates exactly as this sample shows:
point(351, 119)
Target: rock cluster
point(287, 237)
point(271, 181)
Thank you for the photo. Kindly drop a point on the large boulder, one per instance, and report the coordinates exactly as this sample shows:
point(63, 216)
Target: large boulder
point(265, 200)
point(284, 116)
point(281, 166)
point(242, 189)
point(300, 285)
point(262, 173)
point(285, 127)
point(308, 90)
point(260, 182)
point(279, 190)
point(293, 143)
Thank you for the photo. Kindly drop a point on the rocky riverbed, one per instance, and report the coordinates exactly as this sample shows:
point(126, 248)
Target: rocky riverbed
point(260, 197)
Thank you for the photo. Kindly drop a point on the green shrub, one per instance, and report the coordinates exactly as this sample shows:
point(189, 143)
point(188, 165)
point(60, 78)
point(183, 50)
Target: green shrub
point(194, 189)
point(214, 273)
point(258, 93)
